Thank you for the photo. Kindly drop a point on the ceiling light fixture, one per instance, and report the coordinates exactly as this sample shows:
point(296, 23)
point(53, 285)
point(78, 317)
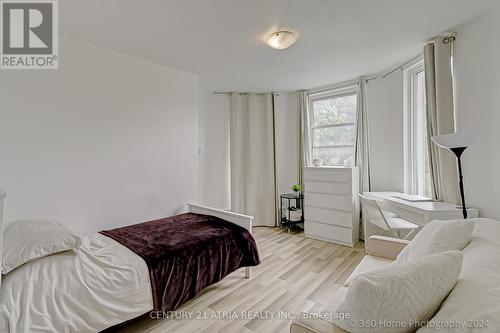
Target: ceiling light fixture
point(282, 39)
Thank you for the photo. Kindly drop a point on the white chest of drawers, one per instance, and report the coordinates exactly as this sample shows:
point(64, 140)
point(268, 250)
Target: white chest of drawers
point(331, 204)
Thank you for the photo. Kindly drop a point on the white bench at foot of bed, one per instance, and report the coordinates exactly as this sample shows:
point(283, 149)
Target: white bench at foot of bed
point(244, 221)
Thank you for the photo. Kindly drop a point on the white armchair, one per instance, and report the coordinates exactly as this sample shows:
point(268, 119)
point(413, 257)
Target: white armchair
point(385, 247)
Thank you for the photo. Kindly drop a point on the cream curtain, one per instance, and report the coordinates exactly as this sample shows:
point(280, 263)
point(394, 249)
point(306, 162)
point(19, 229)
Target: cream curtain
point(362, 150)
point(440, 118)
point(304, 135)
point(252, 155)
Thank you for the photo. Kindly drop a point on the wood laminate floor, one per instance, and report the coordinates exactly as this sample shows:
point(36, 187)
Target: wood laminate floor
point(296, 274)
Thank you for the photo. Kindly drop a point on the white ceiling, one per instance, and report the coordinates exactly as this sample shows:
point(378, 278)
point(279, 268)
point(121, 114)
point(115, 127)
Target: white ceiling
point(221, 40)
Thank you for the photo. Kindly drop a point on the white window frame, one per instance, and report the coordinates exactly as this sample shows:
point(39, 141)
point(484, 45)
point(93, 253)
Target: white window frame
point(411, 148)
point(329, 94)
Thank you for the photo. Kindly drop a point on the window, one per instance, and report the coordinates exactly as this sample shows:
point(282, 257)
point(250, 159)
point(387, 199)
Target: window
point(417, 175)
point(333, 127)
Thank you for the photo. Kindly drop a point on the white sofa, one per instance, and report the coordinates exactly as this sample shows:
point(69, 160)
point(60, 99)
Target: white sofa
point(472, 306)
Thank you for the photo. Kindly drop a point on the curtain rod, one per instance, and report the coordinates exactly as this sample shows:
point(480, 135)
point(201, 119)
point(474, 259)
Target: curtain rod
point(367, 78)
point(231, 92)
point(403, 64)
point(350, 83)
point(450, 37)
point(400, 67)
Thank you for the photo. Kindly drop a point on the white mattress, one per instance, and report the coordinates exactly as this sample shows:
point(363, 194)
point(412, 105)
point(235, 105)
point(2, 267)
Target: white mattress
point(100, 285)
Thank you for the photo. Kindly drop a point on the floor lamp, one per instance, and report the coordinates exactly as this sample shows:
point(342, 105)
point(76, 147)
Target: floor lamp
point(456, 143)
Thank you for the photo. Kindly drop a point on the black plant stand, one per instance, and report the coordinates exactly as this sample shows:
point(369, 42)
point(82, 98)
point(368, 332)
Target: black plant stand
point(288, 201)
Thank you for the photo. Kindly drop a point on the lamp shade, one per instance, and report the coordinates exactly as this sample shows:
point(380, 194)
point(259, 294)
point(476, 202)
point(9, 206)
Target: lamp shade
point(454, 140)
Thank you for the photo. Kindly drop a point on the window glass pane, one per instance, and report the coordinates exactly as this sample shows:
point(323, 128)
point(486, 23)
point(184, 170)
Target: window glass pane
point(421, 174)
point(424, 177)
point(335, 110)
point(417, 171)
point(336, 156)
point(340, 135)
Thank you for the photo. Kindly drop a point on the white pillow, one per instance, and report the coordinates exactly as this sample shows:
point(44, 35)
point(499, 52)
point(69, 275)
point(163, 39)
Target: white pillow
point(438, 236)
point(391, 299)
point(28, 240)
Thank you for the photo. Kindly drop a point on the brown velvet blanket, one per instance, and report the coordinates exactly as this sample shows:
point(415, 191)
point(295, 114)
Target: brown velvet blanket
point(186, 253)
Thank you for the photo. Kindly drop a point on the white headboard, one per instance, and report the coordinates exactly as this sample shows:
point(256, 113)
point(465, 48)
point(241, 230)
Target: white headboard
point(3, 195)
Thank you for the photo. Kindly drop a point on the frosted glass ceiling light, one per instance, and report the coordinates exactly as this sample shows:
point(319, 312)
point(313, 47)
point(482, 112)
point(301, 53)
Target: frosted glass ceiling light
point(282, 39)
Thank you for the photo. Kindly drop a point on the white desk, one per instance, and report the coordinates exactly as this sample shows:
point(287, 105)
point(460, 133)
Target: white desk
point(417, 212)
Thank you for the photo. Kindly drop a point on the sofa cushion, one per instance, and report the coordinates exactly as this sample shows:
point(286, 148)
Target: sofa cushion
point(391, 298)
point(437, 236)
point(474, 303)
point(368, 264)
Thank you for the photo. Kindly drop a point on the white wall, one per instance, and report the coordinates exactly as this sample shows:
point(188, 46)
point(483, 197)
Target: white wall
point(477, 70)
point(106, 140)
point(385, 119)
point(287, 141)
point(215, 178)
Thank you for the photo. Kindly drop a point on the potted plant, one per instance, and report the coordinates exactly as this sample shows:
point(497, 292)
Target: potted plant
point(297, 188)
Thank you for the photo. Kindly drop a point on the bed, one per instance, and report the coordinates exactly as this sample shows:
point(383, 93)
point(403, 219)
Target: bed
point(100, 285)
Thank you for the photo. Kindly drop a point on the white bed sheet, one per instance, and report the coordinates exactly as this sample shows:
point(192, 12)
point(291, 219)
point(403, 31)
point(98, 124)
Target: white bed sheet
point(98, 286)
